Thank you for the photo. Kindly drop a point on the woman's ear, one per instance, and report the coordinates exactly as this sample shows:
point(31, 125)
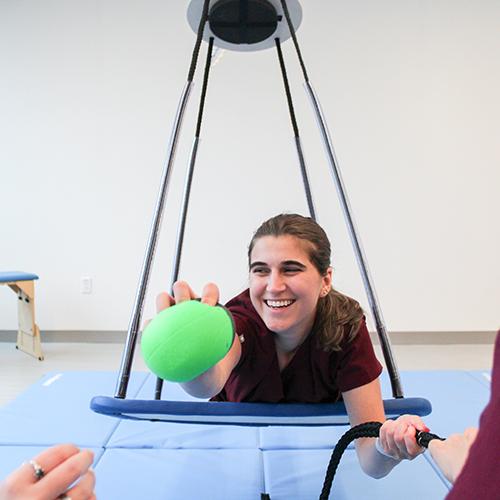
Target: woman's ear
point(327, 282)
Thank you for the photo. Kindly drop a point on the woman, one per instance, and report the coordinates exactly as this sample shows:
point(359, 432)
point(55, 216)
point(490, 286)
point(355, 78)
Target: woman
point(298, 340)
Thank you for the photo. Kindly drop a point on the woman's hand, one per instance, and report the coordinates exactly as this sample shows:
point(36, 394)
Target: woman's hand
point(397, 437)
point(451, 454)
point(58, 468)
point(211, 381)
point(182, 292)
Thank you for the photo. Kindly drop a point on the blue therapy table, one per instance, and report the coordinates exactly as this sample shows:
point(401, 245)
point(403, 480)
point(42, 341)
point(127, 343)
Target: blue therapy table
point(155, 460)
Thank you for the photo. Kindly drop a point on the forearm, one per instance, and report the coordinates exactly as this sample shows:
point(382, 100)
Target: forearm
point(206, 385)
point(374, 463)
point(396, 437)
point(211, 382)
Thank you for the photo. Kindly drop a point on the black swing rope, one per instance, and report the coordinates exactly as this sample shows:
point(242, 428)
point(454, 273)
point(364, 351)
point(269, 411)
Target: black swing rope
point(190, 77)
point(368, 429)
point(199, 36)
point(303, 170)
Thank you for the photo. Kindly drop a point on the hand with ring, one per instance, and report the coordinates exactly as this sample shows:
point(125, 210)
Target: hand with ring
point(60, 472)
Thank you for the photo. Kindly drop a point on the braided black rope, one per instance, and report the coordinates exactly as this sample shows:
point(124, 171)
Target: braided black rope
point(295, 127)
point(294, 38)
point(205, 85)
point(424, 438)
point(287, 88)
point(368, 429)
point(199, 36)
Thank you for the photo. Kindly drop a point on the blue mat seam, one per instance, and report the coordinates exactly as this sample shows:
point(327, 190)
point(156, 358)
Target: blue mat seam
point(482, 382)
point(118, 421)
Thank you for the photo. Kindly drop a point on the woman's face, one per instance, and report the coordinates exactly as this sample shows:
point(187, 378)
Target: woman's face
point(285, 286)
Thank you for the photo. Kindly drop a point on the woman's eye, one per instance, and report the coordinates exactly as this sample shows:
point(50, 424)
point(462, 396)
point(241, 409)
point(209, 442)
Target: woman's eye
point(260, 270)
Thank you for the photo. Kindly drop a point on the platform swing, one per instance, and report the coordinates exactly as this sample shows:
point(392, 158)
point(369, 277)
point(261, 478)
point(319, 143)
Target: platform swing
point(245, 25)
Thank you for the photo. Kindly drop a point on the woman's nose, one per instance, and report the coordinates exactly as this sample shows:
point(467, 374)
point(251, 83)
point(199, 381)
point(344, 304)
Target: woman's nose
point(275, 282)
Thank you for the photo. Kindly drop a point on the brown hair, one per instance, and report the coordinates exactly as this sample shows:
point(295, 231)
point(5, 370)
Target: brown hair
point(337, 314)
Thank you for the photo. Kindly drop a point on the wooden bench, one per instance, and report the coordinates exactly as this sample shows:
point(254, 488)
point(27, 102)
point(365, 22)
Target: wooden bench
point(28, 334)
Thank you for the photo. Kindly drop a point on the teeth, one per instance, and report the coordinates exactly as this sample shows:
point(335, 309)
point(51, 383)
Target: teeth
point(279, 303)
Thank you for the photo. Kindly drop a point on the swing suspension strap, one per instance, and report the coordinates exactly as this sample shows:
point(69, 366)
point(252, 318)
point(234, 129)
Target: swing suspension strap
point(187, 187)
point(135, 321)
point(298, 145)
point(390, 361)
point(368, 429)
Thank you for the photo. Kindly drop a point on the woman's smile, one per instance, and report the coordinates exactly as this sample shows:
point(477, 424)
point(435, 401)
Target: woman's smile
point(285, 286)
point(279, 304)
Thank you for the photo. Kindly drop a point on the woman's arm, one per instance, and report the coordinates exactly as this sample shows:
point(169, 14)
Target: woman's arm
point(397, 437)
point(212, 381)
point(450, 455)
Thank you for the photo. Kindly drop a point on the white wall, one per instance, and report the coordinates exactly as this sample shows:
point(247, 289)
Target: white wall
point(88, 92)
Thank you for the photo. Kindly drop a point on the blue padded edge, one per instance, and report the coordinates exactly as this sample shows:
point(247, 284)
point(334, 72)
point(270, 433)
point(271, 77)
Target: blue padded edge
point(261, 414)
point(170, 435)
point(8, 276)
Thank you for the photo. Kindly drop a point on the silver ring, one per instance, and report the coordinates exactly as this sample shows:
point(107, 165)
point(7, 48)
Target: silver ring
point(37, 469)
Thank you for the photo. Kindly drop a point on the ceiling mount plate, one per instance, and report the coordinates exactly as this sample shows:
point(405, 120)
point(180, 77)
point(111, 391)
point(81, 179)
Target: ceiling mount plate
point(245, 25)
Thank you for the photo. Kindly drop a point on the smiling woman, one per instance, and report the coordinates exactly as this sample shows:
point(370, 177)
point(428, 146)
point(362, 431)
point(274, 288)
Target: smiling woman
point(285, 288)
point(300, 341)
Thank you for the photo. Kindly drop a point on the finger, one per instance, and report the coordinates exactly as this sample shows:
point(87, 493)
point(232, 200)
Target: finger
point(163, 300)
point(399, 438)
point(84, 489)
point(405, 435)
point(61, 477)
point(413, 449)
point(210, 294)
point(418, 423)
point(386, 437)
point(414, 420)
point(400, 433)
point(47, 460)
point(182, 292)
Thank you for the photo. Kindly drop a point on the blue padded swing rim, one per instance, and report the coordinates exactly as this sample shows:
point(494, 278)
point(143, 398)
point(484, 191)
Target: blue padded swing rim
point(246, 414)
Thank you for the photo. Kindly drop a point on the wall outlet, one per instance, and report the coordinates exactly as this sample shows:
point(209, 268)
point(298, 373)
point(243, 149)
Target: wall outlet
point(86, 284)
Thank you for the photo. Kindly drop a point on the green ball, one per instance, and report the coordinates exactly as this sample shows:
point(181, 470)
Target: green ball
point(185, 340)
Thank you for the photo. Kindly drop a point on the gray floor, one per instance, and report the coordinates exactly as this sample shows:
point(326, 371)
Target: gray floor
point(18, 370)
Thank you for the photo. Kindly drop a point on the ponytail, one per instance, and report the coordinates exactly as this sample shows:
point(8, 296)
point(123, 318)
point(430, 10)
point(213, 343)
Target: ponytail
point(337, 316)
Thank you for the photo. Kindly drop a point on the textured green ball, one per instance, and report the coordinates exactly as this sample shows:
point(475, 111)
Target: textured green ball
point(185, 340)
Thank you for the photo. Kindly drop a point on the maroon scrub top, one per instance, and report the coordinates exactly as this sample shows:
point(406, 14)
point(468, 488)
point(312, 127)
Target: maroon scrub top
point(312, 376)
point(480, 477)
